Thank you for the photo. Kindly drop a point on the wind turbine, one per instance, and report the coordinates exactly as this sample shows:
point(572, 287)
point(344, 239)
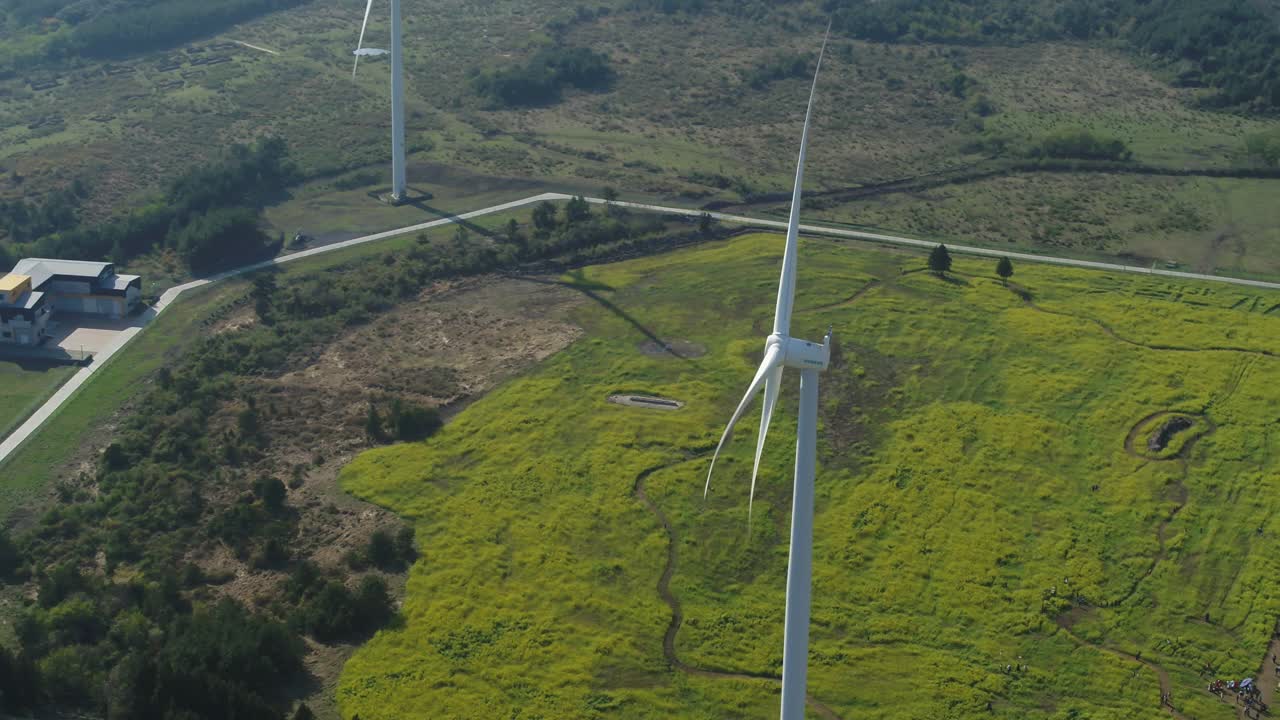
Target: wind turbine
point(782, 351)
point(398, 185)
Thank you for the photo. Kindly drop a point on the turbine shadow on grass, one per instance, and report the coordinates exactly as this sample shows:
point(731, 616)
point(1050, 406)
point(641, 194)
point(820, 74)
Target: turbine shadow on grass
point(589, 289)
point(417, 199)
point(423, 206)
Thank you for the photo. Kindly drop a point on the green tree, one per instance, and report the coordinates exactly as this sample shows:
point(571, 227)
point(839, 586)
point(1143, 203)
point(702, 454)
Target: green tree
point(405, 547)
point(610, 193)
point(248, 422)
point(372, 602)
point(1265, 147)
point(544, 217)
point(940, 260)
point(303, 713)
point(373, 426)
point(263, 294)
point(706, 223)
point(513, 235)
point(272, 493)
point(577, 210)
point(410, 422)
point(1004, 269)
point(9, 558)
point(382, 550)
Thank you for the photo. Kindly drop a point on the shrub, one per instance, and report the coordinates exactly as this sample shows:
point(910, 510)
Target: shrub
point(1080, 144)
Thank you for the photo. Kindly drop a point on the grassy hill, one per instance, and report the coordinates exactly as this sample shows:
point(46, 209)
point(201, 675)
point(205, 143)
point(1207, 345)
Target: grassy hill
point(988, 496)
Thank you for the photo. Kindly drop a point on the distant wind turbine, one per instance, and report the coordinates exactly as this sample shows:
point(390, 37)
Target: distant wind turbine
point(398, 184)
point(783, 351)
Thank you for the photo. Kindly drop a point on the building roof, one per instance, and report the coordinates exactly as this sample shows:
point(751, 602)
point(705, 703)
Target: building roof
point(12, 281)
point(119, 282)
point(26, 301)
point(72, 268)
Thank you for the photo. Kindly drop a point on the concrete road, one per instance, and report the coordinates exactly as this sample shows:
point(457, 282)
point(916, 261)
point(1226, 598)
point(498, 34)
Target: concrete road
point(28, 428)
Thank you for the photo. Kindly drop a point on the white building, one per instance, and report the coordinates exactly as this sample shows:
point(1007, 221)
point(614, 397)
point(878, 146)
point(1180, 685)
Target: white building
point(83, 287)
point(38, 286)
point(24, 312)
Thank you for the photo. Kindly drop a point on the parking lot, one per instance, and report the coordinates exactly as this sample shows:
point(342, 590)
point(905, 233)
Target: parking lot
point(80, 335)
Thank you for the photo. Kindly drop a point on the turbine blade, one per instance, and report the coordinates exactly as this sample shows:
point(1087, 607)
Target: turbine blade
point(772, 385)
point(771, 358)
point(359, 45)
point(787, 285)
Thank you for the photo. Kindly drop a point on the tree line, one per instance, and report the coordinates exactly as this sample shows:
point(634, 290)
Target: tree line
point(101, 29)
point(542, 80)
point(1229, 46)
point(209, 216)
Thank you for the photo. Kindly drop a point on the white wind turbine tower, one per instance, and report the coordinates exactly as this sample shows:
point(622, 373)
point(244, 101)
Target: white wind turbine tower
point(398, 185)
point(783, 351)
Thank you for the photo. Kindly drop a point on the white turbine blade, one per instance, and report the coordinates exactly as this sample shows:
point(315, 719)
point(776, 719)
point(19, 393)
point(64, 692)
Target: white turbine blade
point(772, 385)
point(787, 286)
point(367, 9)
point(771, 358)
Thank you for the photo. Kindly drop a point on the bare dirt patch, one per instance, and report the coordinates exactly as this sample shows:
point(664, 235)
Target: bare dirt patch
point(646, 402)
point(446, 348)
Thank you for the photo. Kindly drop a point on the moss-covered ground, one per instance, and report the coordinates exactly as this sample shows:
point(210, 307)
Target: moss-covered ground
point(979, 504)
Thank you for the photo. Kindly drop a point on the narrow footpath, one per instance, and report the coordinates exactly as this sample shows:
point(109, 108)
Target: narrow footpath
point(677, 615)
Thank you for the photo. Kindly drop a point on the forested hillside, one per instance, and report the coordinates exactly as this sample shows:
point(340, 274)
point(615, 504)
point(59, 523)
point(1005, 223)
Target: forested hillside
point(66, 29)
point(1229, 45)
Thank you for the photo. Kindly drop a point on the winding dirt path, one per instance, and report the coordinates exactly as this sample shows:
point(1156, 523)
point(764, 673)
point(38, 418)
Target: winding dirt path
point(1166, 685)
point(1025, 296)
point(871, 285)
point(677, 614)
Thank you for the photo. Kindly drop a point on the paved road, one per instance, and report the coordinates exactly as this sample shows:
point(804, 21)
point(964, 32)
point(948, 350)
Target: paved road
point(964, 249)
point(33, 423)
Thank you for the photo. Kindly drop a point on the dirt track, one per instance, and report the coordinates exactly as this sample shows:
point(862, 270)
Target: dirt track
point(677, 615)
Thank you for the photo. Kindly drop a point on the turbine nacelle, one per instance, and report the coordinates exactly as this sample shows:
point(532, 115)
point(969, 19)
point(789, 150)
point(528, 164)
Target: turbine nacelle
point(800, 354)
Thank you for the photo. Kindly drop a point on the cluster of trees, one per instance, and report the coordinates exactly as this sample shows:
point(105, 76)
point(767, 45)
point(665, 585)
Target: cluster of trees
point(209, 216)
point(327, 610)
point(542, 80)
point(141, 644)
point(940, 264)
point(404, 422)
point(779, 67)
point(24, 220)
point(1229, 45)
point(384, 551)
point(1080, 144)
point(157, 24)
point(106, 29)
point(1265, 147)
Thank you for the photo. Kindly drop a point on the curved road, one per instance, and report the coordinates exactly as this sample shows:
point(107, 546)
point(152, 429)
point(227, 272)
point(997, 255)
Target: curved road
point(38, 418)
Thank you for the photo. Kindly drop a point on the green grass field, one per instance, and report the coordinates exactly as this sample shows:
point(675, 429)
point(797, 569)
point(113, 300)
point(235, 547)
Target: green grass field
point(23, 386)
point(985, 498)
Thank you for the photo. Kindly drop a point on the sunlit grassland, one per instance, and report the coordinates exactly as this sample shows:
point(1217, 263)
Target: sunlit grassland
point(974, 491)
point(24, 386)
